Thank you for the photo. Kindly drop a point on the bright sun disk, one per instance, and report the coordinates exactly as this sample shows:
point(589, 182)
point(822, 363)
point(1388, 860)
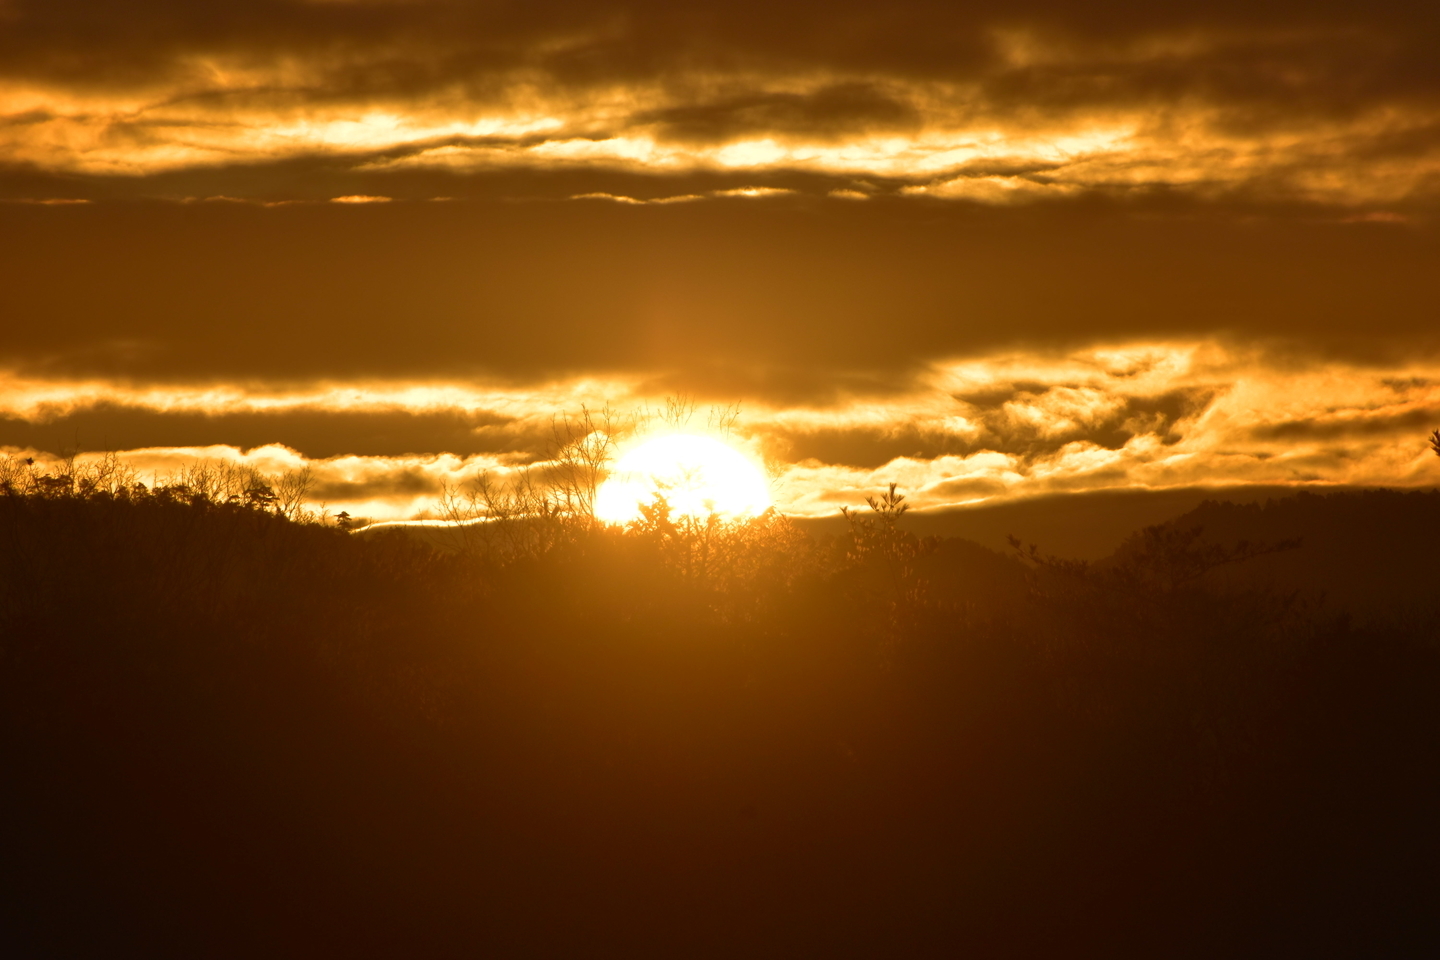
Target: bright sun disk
point(697, 475)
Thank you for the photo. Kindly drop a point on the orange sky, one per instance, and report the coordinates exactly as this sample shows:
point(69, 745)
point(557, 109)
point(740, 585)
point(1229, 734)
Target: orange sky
point(984, 253)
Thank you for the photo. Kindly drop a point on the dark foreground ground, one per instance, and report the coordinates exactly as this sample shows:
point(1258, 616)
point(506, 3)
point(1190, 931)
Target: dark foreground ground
point(226, 734)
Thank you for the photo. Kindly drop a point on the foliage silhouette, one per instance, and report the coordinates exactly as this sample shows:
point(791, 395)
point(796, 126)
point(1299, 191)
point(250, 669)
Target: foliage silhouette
point(232, 730)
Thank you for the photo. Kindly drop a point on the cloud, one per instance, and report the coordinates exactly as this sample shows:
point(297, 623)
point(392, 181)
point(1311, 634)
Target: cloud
point(1135, 244)
point(1149, 416)
point(990, 428)
point(742, 298)
point(314, 432)
point(837, 113)
point(318, 421)
point(1312, 104)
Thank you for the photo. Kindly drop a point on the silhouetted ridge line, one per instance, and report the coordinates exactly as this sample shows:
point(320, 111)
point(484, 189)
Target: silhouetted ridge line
point(228, 732)
point(1367, 553)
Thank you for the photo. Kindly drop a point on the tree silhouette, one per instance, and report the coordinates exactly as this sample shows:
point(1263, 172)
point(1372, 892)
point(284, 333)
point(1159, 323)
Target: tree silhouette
point(190, 672)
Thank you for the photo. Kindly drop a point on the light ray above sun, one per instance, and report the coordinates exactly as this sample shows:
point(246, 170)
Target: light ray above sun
point(697, 475)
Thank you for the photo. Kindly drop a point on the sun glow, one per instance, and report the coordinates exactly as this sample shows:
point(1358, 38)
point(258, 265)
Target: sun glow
point(696, 475)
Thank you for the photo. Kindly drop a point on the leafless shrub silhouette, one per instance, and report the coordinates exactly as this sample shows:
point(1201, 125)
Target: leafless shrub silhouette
point(538, 506)
point(67, 476)
point(224, 482)
point(1435, 442)
point(201, 483)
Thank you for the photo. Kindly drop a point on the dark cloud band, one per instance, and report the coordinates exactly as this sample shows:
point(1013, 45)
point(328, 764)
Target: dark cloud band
point(740, 295)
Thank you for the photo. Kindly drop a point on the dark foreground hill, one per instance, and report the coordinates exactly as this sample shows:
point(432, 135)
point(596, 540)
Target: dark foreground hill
point(228, 734)
point(1373, 555)
point(1082, 525)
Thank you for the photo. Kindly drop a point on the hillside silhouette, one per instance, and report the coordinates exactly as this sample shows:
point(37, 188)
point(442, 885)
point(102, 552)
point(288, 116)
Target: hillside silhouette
point(1368, 554)
point(232, 730)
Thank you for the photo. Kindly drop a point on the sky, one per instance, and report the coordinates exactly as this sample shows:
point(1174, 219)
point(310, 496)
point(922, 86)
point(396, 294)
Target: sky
point(988, 252)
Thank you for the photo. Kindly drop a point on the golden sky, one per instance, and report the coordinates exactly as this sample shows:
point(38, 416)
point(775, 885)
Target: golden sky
point(986, 252)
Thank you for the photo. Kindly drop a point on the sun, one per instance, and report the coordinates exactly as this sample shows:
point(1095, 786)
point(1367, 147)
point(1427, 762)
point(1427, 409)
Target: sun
point(697, 475)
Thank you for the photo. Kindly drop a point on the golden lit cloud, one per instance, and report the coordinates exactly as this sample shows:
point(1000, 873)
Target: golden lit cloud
point(1190, 150)
point(848, 218)
point(1144, 415)
point(32, 399)
point(1303, 113)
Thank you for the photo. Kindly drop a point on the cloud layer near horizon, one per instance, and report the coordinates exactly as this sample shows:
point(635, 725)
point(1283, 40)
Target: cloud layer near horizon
point(1150, 416)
